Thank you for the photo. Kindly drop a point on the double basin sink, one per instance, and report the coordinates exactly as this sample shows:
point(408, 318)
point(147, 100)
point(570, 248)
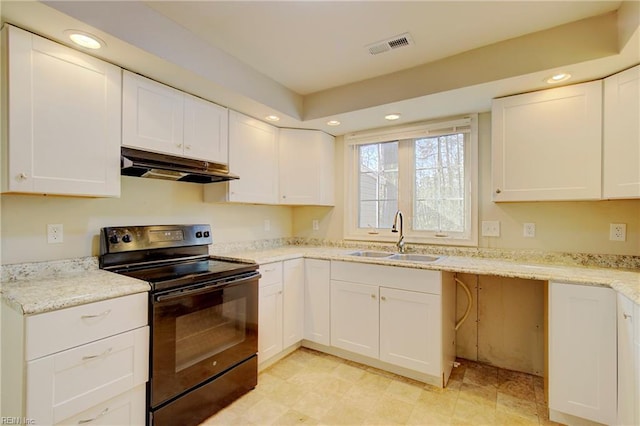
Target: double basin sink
point(409, 257)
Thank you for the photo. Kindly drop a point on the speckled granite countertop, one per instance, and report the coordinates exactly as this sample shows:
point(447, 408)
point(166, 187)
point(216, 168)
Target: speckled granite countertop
point(625, 282)
point(34, 288)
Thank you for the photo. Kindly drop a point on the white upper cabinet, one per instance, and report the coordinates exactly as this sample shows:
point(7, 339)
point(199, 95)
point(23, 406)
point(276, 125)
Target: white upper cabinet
point(306, 167)
point(159, 118)
point(253, 155)
point(547, 145)
point(63, 119)
point(621, 142)
point(206, 130)
point(152, 115)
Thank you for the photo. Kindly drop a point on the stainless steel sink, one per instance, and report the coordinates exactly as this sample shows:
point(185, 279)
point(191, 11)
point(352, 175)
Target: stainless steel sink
point(371, 254)
point(414, 257)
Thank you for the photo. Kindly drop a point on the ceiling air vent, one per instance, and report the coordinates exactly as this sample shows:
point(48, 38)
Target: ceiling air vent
point(395, 42)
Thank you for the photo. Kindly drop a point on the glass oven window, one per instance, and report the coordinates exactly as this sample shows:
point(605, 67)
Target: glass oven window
point(207, 332)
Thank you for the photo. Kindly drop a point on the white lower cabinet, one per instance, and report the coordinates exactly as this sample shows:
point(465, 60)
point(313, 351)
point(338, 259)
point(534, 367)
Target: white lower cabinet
point(417, 350)
point(401, 316)
point(270, 311)
point(293, 302)
point(628, 317)
point(128, 408)
point(280, 307)
point(87, 363)
point(582, 353)
point(75, 380)
point(355, 317)
point(317, 299)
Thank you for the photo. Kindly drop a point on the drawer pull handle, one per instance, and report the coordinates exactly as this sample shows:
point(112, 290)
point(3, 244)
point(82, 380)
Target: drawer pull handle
point(383, 298)
point(81, 422)
point(105, 353)
point(373, 296)
point(627, 316)
point(101, 314)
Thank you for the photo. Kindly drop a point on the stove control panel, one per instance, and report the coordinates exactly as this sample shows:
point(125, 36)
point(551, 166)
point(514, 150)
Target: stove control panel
point(117, 239)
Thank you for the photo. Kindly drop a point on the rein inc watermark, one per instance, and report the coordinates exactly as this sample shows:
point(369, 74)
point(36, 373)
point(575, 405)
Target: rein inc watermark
point(17, 421)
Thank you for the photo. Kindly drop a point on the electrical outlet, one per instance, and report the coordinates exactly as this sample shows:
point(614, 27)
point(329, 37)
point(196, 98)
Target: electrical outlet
point(617, 232)
point(315, 224)
point(55, 233)
point(490, 228)
point(267, 225)
point(529, 230)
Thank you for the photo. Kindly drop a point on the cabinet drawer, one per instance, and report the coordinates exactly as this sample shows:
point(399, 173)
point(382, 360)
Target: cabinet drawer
point(70, 382)
point(411, 279)
point(128, 408)
point(59, 330)
point(271, 273)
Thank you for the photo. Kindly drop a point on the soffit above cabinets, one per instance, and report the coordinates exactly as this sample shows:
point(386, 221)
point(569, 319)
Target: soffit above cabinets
point(307, 61)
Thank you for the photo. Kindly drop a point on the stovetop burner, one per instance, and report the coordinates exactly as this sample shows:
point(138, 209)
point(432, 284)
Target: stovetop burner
point(166, 256)
point(184, 273)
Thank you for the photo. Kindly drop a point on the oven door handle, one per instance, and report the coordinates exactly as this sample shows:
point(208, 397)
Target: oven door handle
point(182, 293)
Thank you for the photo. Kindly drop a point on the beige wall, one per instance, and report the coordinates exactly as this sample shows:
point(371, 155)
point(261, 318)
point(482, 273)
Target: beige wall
point(561, 226)
point(143, 201)
point(581, 227)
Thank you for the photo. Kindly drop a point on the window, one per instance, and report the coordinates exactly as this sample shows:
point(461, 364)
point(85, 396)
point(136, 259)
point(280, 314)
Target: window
point(429, 172)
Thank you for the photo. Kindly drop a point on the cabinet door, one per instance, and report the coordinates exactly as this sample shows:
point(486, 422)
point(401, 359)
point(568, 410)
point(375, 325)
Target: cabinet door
point(253, 155)
point(317, 322)
point(628, 401)
point(206, 131)
point(306, 167)
point(582, 351)
point(354, 317)
point(293, 303)
point(269, 321)
point(63, 119)
point(547, 145)
point(411, 330)
point(152, 115)
point(621, 141)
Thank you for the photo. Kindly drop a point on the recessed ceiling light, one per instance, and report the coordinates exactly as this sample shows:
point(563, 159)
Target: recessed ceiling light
point(333, 123)
point(272, 118)
point(84, 39)
point(559, 77)
point(392, 117)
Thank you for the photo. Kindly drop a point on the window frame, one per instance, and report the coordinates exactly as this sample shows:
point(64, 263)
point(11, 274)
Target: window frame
point(406, 181)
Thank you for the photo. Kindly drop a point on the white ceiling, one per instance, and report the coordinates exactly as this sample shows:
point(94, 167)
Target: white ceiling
point(306, 60)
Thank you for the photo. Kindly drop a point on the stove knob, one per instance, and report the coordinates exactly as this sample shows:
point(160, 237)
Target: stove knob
point(206, 234)
point(114, 239)
point(126, 238)
point(199, 234)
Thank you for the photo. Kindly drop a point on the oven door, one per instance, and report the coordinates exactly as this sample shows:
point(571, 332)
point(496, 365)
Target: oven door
point(201, 331)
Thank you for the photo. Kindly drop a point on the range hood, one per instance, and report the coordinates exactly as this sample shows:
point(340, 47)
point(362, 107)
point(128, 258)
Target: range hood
point(135, 162)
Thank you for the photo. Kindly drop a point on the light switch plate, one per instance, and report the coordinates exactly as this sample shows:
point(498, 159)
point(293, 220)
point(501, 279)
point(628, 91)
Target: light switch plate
point(490, 228)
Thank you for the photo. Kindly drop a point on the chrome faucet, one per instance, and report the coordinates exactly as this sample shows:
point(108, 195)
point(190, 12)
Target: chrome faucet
point(400, 243)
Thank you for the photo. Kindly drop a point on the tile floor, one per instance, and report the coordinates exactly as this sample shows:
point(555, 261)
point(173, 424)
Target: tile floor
point(312, 388)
